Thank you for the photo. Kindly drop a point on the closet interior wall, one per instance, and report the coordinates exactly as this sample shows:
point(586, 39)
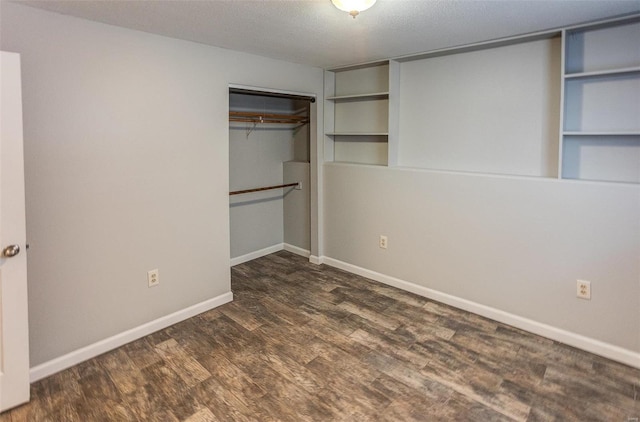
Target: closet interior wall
point(268, 153)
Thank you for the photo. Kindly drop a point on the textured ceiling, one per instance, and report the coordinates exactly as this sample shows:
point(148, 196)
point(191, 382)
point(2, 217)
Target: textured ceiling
point(313, 32)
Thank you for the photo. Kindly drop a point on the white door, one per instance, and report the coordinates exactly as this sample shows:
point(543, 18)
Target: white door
point(14, 331)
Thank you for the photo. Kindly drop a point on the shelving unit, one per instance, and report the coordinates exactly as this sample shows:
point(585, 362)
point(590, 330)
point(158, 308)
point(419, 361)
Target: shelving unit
point(581, 107)
point(357, 113)
point(600, 137)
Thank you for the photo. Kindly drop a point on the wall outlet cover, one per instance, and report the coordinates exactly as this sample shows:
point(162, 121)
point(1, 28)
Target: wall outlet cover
point(583, 289)
point(153, 277)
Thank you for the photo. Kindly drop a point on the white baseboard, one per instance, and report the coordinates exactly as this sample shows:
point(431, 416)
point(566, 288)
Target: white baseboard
point(588, 344)
point(257, 254)
point(296, 250)
point(318, 260)
point(70, 359)
point(267, 251)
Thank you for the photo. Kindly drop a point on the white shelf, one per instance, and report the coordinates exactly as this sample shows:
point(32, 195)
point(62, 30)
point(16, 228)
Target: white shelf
point(597, 73)
point(356, 163)
point(604, 133)
point(370, 96)
point(358, 134)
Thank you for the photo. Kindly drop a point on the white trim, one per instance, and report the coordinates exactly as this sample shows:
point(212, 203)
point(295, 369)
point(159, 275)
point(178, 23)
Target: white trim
point(318, 260)
point(70, 359)
point(268, 251)
point(296, 250)
point(588, 344)
point(256, 254)
point(275, 91)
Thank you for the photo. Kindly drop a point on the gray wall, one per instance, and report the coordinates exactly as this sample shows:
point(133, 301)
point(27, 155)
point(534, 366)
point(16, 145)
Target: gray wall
point(297, 212)
point(516, 244)
point(255, 160)
point(126, 161)
point(491, 111)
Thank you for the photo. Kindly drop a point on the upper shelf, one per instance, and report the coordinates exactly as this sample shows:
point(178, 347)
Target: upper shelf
point(611, 72)
point(600, 133)
point(370, 96)
point(254, 117)
point(357, 134)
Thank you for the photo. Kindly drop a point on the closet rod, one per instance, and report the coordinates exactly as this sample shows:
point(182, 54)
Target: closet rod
point(238, 192)
point(254, 117)
point(283, 121)
point(266, 115)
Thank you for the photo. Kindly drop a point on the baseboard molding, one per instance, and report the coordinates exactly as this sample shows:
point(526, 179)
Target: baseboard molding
point(257, 254)
point(296, 250)
point(70, 359)
point(318, 260)
point(588, 344)
point(268, 251)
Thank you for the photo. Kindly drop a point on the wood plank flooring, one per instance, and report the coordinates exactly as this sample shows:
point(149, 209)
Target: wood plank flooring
point(311, 343)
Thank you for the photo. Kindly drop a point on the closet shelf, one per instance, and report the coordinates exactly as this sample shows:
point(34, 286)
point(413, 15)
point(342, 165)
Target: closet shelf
point(358, 134)
point(603, 73)
point(601, 133)
point(370, 96)
point(253, 117)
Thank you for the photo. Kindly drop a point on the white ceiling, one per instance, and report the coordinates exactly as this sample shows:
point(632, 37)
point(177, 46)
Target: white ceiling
point(313, 32)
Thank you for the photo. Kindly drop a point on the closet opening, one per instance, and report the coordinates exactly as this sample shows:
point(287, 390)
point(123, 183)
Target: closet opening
point(269, 173)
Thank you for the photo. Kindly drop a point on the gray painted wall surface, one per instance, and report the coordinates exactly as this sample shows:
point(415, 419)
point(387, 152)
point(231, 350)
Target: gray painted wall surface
point(489, 111)
point(126, 161)
point(297, 212)
point(256, 219)
point(515, 244)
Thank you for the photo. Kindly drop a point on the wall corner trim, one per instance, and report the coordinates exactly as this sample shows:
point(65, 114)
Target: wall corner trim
point(268, 251)
point(296, 250)
point(609, 351)
point(256, 254)
point(73, 358)
point(317, 260)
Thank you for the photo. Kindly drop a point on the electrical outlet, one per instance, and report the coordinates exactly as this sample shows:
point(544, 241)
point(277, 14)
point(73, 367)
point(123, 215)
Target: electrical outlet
point(153, 277)
point(583, 289)
point(383, 242)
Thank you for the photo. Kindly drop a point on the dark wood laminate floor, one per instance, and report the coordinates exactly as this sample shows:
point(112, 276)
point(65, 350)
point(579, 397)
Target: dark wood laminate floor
point(302, 342)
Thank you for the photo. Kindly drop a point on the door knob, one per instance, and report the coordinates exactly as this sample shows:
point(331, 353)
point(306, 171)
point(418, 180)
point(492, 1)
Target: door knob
point(11, 250)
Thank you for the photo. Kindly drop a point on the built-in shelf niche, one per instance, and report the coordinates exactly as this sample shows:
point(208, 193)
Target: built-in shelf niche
point(609, 158)
point(602, 47)
point(600, 139)
point(603, 103)
point(357, 114)
point(587, 121)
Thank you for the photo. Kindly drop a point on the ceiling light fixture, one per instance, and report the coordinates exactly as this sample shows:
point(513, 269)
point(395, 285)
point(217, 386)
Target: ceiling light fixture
point(353, 7)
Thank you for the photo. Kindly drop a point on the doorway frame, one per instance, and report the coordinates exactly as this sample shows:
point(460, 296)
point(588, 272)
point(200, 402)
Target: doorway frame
point(316, 154)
